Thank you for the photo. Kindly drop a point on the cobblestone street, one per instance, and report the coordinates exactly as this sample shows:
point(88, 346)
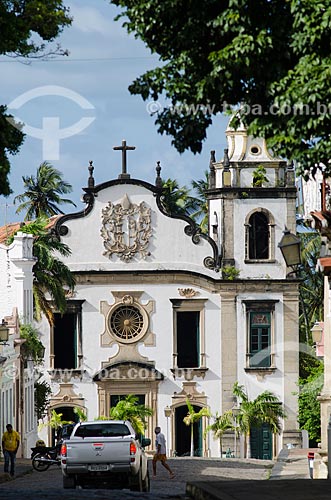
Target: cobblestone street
point(48, 485)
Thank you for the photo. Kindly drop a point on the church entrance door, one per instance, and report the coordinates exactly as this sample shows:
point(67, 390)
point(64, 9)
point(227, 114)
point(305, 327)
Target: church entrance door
point(183, 433)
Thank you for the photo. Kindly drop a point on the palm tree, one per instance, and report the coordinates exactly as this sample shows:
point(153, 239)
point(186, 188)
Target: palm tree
point(129, 409)
point(176, 200)
point(221, 424)
point(50, 274)
point(265, 408)
point(200, 208)
point(55, 422)
point(43, 193)
point(312, 286)
point(191, 418)
point(82, 417)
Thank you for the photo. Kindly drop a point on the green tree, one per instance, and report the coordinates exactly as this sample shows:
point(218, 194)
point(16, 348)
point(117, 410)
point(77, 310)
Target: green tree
point(176, 200)
point(312, 285)
point(221, 424)
point(26, 26)
point(128, 408)
point(43, 193)
point(42, 392)
point(33, 347)
point(193, 417)
point(309, 416)
point(200, 203)
point(50, 275)
point(82, 417)
point(55, 421)
point(265, 408)
point(276, 64)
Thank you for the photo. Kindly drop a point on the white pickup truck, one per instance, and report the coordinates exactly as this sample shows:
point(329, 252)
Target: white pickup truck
point(105, 454)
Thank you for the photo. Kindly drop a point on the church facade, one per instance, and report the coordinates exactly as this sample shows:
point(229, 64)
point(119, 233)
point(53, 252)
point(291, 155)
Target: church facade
point(167, 313)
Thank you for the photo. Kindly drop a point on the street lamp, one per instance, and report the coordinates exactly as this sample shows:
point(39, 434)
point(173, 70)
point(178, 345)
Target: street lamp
point(235, 413)
point(290, 247)
point(167, 414)
point(4, 333)
point(316, 333)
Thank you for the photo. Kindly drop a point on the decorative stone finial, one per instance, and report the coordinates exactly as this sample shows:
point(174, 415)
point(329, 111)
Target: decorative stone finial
point(212, 174)
point(90, 181)
point(158, 180)
point(226, 160)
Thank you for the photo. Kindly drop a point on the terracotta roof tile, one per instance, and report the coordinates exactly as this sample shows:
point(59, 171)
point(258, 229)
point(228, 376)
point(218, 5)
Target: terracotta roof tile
point(9, 229)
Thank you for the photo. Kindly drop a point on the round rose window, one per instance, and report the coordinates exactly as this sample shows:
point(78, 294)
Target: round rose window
point(126, 323)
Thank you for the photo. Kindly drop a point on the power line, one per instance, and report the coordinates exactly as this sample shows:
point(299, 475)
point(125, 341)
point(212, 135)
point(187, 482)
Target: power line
point(94, 59)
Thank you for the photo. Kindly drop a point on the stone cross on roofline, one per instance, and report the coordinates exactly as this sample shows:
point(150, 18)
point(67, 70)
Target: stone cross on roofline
point(124, 148)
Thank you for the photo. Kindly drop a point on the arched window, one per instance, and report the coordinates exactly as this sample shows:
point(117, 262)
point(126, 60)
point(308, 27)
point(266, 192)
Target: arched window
point(259, 236)
point(258, 246)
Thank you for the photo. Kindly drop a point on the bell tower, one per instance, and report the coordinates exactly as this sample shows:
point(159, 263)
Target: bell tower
point(252, 198)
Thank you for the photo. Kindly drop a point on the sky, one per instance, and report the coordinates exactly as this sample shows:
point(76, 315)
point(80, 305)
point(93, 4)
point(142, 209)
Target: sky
point(77, 108)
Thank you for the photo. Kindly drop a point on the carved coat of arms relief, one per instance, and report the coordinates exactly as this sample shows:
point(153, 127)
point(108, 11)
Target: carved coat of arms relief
point(126, 229)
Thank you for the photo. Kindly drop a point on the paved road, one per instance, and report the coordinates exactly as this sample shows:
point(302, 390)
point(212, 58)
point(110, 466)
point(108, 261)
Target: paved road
point(48, 485)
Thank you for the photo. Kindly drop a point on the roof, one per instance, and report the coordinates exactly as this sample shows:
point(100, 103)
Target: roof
point(322, 222)
point(9, 229)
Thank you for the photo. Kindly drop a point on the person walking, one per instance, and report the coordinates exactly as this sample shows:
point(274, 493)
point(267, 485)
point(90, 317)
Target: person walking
point(161, 453)
point(10, 444)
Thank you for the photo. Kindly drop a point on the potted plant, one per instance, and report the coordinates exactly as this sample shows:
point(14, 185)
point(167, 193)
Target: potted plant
point(259, 176)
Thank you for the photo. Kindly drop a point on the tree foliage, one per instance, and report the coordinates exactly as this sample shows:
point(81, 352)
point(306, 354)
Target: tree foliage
point(309, 416)
point(26, 26)
point(50, 275)
point(312, 285)
point(80, 413)
point(128, 408)
point(42, 392)
point(222, 423)
point(200, 205)
point(276, 64)
point(265, 408)
point(33, 347)
point(176, 199)
point(43, 193)
point(192, 418)
point(180, 200)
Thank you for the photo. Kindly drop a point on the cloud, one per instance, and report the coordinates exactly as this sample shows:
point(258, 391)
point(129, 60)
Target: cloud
point(90, 20)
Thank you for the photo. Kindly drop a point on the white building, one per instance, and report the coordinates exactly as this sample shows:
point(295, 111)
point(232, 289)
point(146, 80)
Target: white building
point(16, 306)
point(154, 315)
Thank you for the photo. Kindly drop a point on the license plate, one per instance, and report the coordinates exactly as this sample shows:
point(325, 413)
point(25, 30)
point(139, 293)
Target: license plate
point(98, 467)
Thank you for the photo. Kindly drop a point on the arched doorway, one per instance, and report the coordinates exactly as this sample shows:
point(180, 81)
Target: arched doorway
point(183, 433)
point(68, 415)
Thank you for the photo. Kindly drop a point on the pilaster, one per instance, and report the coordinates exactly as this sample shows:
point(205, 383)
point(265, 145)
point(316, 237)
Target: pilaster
point(228, 348)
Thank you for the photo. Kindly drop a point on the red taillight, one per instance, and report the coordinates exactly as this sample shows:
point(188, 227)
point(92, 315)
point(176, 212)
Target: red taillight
point(64, 450)
point(133, 449)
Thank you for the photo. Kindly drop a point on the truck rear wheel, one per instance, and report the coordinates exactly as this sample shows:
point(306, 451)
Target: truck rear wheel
point(138, 484)
point(146, 483)
point(69, 482)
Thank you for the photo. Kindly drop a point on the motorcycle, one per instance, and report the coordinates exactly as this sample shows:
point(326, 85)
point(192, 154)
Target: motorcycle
point(43, 457)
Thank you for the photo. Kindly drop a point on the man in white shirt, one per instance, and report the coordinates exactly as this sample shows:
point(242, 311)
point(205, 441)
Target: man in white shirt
point(161, 452)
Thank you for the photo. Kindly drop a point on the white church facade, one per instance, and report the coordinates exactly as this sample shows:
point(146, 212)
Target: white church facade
point(155, 314)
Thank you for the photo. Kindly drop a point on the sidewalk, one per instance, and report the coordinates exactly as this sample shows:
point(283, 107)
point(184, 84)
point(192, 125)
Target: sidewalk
point(292, 464)
point(23, 466)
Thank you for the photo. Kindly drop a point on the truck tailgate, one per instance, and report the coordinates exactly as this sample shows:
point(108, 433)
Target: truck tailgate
point(94, 450)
